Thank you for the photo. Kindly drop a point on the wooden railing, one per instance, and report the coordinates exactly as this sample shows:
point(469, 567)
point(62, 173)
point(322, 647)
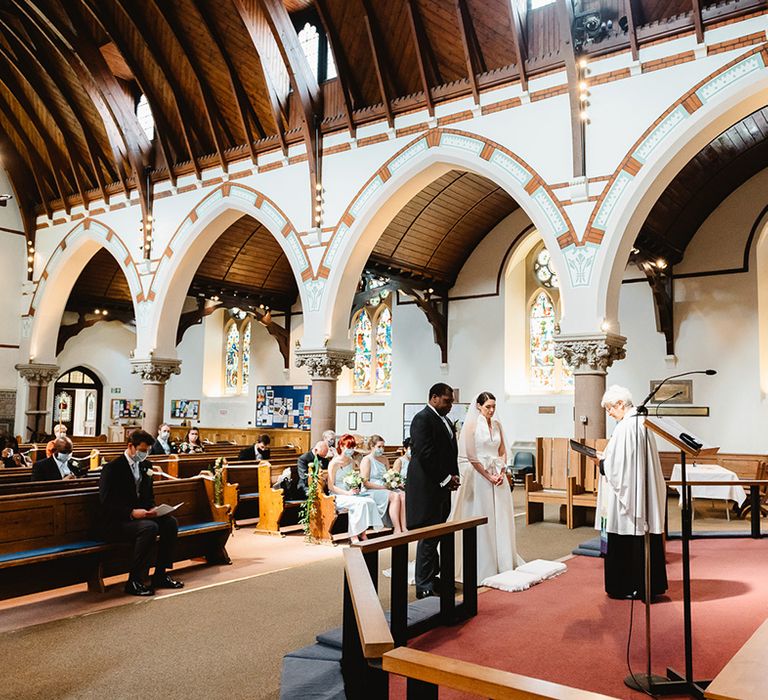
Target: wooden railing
point(755, 502)
point(372, 649)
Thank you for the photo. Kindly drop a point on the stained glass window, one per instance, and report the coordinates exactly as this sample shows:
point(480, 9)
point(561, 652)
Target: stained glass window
point(363, 352)
point(232, 358)
point(542, 339)
point(62, 407)
point(246, 372)
point(542, 268)
point(384, 350)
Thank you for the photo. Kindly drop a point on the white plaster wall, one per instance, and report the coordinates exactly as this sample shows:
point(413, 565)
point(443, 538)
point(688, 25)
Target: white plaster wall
point(13, 267)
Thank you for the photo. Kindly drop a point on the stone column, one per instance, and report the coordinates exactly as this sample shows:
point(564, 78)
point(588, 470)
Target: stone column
point(324, 367)
point(154, 372)
point(589, 356)
point(38, 377)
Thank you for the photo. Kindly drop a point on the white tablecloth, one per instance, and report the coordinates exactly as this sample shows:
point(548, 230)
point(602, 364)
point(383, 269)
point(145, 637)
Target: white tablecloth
point(710, 472)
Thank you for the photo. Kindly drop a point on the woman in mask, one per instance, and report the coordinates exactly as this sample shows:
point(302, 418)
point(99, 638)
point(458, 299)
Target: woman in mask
point(402, 462)
point(373, 467)
point(345, 482)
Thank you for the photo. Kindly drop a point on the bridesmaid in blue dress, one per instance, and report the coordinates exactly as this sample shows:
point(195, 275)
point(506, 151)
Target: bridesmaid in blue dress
point(372, 468)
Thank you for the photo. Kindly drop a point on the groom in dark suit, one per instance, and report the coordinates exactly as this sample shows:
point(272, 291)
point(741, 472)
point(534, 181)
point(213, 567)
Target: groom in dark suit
point(432, 474)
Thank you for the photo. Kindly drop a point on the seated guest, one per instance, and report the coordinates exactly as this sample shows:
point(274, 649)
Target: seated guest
point(9, 451)
point(128, 515)
point(58, 466)
point(163, 444)
point(59, 431)
point(401, 463)
point(192, 444)
point(256, 452)
point(294, 479)
point(373, 467)
point(330, 437)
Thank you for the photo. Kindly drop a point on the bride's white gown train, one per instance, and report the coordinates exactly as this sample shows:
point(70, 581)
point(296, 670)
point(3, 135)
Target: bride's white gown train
point(496, 544)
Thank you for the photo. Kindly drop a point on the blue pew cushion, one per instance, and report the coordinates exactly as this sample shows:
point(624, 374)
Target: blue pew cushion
point(203, 526)
point(44, 551)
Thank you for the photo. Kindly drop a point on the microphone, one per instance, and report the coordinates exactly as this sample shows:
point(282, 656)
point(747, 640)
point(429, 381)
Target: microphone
point(708, 372)
point(669, 398)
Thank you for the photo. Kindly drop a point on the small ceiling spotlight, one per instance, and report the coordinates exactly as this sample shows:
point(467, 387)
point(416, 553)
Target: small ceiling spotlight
point(661, 264)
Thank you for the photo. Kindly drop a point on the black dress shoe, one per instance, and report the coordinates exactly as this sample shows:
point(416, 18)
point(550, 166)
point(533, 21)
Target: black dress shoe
point(425, 593)
point(136, 588)
point(166, 582)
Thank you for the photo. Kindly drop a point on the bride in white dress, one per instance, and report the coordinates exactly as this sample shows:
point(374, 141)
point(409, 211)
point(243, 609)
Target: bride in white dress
point(485, 491)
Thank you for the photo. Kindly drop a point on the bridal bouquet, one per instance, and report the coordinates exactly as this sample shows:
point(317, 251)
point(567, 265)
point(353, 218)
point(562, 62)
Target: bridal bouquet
point(353, 480)
point(393, 480)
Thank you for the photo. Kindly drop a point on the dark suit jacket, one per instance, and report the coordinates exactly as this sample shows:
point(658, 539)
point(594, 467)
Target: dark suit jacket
point(46, 470)
point(117, 491)
point(434, 456)
point(157, 449)
point(302, 467)
point(248, 454)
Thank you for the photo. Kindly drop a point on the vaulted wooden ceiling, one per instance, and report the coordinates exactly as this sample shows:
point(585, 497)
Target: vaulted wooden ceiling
point(432, 236)
point(702, 185)
point(226, 79)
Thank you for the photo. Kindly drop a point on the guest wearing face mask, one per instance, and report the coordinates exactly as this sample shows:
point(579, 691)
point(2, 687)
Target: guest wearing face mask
point(372, 468)
point(330, 437)
point(163, 444)
point(57, 467)
point(128, 515)
point(59, 431)
point(401, 463)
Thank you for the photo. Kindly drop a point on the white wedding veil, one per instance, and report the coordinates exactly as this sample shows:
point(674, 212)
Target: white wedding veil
point(467, 448)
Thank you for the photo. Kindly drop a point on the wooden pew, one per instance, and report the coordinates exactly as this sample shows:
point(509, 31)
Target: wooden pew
point(48, 540)
point(744, 677)
point(246, 476)
point(550, 482)
point(272, 504)
point(582, 486)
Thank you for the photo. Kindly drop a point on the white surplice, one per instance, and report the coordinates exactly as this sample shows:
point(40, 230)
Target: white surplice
point(621, 493)
point(496, 545)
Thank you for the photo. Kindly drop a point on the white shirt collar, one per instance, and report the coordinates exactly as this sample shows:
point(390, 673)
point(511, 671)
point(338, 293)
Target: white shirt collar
point(445, 420)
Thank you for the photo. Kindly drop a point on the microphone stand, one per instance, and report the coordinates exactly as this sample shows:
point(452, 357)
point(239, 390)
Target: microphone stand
point(673, 683)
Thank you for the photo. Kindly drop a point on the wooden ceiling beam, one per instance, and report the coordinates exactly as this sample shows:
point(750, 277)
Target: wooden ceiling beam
point(14, 165)
point(304, 85)
point(343, 72)
point(186, 117)
point(254, 24)
point(518, 18)
point(565, 17)
point(40, 56)
point(632, 17)
point(53, 113)
point(418, 35)
point(212, 113)
point(57, 167)
point(244, 108)
point(469, 41)
point(379, 60)
point(698, 22)
point(163, 131)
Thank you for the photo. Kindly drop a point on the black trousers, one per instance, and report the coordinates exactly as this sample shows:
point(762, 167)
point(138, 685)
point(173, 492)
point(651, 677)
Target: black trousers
point(625, 566)
point(143, 534)
point(427, 557)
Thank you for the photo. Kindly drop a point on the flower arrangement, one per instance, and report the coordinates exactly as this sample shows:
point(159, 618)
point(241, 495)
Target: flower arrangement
point(218, 480)
point(393, 480)
point(353, 480)
point(309, 507)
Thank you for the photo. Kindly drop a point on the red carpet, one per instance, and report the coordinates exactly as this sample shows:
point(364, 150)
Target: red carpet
point(568, 631)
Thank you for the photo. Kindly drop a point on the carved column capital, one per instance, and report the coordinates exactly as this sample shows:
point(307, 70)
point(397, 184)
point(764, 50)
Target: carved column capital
point(38, 374)
point(325, 363)
point(155, 370)
point(590, 354)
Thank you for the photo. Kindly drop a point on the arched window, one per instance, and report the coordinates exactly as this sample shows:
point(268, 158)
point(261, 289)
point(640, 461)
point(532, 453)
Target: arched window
point(547, 372)
point(384, 350)
point(144, 115)
point(372, 329)
point(232, 358)
point(363, 351)
point(246, 370)
point(309, 40)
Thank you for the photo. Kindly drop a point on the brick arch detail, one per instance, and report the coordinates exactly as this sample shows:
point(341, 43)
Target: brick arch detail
point(246, 196)
point(484, 149)
point(109, 239)
point(642, 151)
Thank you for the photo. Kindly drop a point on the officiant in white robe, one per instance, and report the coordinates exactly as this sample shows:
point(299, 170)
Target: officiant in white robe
point(630, 461)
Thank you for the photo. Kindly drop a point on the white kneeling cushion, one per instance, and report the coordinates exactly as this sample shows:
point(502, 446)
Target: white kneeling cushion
point(525, 576)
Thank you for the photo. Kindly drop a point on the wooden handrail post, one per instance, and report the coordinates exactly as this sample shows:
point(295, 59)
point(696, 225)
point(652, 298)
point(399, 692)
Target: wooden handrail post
point(469, 571)
point(421, 690)
point(448, 578)
point(372, 562)
point(353, 663)
point(754, 515)
point(399, 595)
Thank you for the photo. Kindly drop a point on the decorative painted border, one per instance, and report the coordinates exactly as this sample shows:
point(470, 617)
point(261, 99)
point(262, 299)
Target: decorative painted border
point(474, 144)
point(680, 111)
point(110, 240)
point(250, 198)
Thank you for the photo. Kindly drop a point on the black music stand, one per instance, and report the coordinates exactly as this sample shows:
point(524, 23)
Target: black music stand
point(674, 683)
